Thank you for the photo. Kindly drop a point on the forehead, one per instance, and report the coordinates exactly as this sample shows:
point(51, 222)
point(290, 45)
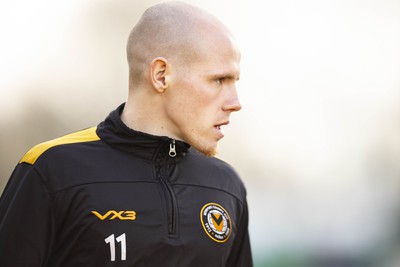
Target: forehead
point(211, 50)
point(223, 59)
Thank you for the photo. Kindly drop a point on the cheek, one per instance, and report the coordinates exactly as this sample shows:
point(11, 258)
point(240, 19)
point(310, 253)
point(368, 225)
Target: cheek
point(183, 110)
point(192, 105)
point(194, 113)
point(187, 101)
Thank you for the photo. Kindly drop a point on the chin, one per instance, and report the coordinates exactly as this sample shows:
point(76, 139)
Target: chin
point(210, 151)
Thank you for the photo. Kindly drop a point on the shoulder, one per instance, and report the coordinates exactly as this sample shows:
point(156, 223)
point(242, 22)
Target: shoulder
point(86, 135)
point(213, 172)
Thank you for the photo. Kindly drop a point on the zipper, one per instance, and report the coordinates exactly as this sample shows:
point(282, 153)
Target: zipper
point(163, 172)
point(170, 203)
point(172, 209)
point(172, 150)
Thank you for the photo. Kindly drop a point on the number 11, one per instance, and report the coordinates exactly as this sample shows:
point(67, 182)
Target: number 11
point(121, 239)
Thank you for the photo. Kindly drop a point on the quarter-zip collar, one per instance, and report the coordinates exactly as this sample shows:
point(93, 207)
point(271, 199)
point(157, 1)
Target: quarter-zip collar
point(150, 147)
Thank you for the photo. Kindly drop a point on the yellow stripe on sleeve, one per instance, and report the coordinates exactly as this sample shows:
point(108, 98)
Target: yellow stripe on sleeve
point(86, 135)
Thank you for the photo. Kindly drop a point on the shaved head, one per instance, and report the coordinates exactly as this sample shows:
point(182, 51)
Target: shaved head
point(176, 31)
point(183, 68)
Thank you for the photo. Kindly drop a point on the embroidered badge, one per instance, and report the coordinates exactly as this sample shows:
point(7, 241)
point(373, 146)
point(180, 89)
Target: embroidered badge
point(216, 222)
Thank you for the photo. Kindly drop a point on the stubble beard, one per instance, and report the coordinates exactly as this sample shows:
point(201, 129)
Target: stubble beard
point(202, 144)
point(209, 151)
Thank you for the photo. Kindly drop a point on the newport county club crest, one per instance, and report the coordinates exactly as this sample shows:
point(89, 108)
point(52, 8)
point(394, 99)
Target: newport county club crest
point(216, 222)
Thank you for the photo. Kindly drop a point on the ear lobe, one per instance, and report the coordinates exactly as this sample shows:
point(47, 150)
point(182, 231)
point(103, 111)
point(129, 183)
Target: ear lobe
point(159, 69)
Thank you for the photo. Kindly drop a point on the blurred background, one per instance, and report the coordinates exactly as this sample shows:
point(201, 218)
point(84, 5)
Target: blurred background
point(317, 142)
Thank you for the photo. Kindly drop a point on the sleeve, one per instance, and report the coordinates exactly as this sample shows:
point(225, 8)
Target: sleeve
point(240, 255)
point(25, 219)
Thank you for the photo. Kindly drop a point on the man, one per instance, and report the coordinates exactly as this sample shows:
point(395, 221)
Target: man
point(142, 188)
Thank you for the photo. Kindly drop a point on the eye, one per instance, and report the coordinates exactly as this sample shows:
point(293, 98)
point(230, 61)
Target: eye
point(224, 79)
point(220, 80)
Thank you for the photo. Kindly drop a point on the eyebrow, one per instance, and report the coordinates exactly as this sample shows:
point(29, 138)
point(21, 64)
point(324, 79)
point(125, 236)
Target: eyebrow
point(226, 75)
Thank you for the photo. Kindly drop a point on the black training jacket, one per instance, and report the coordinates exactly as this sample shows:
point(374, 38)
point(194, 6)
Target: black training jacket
point(112, 196)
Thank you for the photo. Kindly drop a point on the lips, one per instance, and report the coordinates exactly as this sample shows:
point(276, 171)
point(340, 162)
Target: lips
point(219, 130)
point(219, 125)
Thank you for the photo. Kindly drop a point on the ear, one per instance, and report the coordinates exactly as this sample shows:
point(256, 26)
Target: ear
point(159, 71)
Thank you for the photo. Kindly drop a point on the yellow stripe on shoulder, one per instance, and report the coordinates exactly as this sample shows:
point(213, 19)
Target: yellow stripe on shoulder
point(86, 135)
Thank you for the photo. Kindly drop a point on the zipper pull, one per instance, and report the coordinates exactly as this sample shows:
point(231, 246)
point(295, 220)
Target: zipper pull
point(172, 151)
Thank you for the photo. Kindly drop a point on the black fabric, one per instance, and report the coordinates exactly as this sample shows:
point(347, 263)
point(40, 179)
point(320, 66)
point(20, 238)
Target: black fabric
point(83, 204)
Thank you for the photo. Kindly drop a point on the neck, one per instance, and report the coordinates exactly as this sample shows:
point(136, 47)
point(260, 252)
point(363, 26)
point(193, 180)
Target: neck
point(141, 116)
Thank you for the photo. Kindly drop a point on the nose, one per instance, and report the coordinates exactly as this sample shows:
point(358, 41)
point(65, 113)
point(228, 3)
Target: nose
point(232, 102)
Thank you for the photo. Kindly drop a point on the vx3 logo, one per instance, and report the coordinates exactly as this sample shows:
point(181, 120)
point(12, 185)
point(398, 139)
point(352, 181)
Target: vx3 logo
point(112, 215)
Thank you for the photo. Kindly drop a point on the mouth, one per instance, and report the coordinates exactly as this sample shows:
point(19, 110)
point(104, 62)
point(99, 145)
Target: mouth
point(219, 126)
